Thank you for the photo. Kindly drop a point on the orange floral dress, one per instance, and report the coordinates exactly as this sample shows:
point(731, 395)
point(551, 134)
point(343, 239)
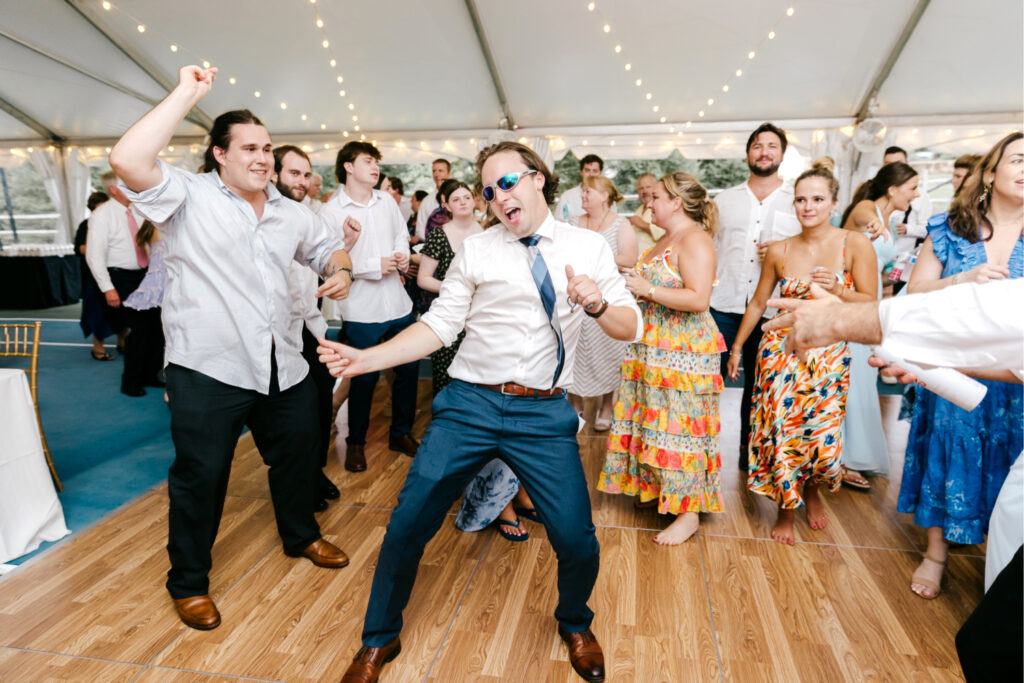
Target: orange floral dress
point(797, 411)
point(664, 437)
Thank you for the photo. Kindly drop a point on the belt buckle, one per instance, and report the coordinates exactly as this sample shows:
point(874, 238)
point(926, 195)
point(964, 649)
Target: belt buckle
point(507, 393)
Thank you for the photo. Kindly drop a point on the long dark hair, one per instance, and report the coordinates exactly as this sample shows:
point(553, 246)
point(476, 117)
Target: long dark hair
point(968, 213)
point(890, 175)
point(220, 134)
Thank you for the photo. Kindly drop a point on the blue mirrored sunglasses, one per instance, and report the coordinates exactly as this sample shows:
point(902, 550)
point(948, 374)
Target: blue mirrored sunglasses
point(505, 183)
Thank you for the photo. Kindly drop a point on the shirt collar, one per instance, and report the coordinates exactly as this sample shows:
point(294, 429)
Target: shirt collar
point(345, 200)
point(780, 188)
point(273, 194)
point(546, 229)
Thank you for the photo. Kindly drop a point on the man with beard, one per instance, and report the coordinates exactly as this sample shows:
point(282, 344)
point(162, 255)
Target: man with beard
point(294, 177)
point(232, 359)
point(752, 216)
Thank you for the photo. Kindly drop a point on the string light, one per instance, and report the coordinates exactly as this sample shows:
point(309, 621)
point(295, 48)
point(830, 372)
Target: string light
point(232, 80)
point(174, 48)
point(142, 28)
point(304, 117)
point(323, 126)
point(257, 93)
point(590, 7)
point(106, 5)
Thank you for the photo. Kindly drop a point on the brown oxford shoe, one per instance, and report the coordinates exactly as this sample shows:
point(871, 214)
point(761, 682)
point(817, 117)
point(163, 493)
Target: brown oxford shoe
point(584, 653)
point(366, 665)
point(355, 457)
point(323, 554)
point(404, 444)
point(198, 612)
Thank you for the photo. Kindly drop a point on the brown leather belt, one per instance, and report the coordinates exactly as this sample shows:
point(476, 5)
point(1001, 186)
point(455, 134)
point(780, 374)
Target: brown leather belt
point(513, 389)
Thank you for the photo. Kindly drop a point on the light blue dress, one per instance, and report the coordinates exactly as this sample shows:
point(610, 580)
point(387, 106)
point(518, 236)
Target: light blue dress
point(150, 292)
point(864, 445)
point(486, 496)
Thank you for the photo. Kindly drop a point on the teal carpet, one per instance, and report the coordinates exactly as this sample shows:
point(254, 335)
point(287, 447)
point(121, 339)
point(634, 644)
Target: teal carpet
point(108, 448)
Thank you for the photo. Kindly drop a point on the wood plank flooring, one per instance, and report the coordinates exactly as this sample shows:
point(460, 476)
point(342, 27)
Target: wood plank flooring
point(730, 605)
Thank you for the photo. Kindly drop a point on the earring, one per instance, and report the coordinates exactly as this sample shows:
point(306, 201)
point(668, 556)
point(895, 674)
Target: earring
point(984, 193)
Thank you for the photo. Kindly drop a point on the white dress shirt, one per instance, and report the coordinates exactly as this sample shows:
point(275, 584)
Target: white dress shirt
point(373, 297)
point(313, 205)
point(405, 208)
point(427, 207)
point(109, 243)
point(302, 286)
point(227, 302)
point(743, 223)
point(570, 203)
point(965, 326)
point(489, 290)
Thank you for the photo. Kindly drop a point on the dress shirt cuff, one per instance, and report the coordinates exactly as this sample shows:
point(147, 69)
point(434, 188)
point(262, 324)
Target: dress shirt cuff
point(367, 269)
point(317, 326)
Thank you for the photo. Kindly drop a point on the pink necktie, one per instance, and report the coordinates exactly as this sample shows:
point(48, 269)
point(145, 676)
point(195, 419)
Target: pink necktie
point(140, 254)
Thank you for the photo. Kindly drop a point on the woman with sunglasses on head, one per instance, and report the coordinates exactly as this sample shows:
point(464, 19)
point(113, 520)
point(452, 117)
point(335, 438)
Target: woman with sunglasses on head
point(799, 405)
point(598, 356)
point(956, 461)
point(664, 444)
point(865, 450)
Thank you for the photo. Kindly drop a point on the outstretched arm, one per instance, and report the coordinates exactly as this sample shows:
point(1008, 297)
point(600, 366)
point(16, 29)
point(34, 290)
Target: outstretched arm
point(134, 156)
point(412, 343)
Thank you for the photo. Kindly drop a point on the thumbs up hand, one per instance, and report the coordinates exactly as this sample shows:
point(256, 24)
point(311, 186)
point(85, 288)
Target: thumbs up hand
point(582, 290)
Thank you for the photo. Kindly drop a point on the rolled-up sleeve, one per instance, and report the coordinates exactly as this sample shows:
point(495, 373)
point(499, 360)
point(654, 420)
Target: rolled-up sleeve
point(448, 312)
point(318, 243)
point(159, 203)
point(613, 286)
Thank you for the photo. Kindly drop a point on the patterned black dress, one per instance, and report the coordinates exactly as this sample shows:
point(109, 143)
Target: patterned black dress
point(440, 249)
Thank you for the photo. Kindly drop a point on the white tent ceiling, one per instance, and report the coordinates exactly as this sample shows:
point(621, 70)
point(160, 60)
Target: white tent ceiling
point(419, 74)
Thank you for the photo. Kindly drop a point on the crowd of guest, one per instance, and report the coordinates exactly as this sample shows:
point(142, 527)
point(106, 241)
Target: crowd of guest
point(701, 269)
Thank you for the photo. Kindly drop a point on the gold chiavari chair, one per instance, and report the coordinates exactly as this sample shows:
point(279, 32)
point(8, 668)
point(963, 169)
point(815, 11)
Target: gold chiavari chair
point(22, 340)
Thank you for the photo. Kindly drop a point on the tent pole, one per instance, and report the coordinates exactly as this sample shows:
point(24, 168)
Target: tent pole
point(485, 49)
point(10, 209)
point(864, 111)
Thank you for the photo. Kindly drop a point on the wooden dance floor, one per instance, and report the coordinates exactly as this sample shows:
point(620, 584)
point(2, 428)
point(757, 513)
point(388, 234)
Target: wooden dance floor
point(729, 605)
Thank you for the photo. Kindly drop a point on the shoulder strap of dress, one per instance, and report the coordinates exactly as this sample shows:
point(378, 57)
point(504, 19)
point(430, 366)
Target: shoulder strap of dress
point(845, 235)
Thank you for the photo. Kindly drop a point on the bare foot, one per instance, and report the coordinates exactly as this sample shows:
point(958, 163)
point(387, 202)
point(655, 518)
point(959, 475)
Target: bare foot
point(816, 515)
point(783, 529)
point(684, 526)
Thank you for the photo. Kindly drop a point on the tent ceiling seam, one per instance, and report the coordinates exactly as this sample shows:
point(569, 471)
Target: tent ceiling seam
point(196, 116)
point(29, 121)
point(864, 110)
point(492, 68)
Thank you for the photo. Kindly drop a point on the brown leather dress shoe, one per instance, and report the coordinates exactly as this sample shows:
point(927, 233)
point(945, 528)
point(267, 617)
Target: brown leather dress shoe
point(198, 612)
point(366, 665)
point(585, 654)
point(404, 444)
point(355, 457)
point(323, 554)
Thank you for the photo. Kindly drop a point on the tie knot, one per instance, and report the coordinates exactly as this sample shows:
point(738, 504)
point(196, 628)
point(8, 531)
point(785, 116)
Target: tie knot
point(530, 240)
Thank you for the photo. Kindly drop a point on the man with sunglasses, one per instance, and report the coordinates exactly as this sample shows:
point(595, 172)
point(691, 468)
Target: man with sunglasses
point(507, 396)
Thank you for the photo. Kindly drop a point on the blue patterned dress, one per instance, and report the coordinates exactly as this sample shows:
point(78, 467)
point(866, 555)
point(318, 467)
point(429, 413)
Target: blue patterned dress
point(956, 460)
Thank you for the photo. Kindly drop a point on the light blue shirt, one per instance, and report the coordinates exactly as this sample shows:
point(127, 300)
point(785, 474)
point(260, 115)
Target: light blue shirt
point(227, 301)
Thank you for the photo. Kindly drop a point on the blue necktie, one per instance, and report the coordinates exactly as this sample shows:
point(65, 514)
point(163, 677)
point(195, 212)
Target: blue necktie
point(542, 278)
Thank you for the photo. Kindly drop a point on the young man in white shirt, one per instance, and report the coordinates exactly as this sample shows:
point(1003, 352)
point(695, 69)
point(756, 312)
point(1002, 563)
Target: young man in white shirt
point(378, 307)
point(571, 202)
point(294, 173)
point(232, 359)
point(752, 216)
point(118, 265)
point(440, 171)
point(507, 395)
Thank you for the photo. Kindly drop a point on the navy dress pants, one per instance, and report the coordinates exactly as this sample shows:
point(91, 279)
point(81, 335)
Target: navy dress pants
point(472, 425)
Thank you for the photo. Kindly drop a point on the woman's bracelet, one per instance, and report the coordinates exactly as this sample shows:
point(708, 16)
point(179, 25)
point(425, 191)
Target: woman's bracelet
point(650, 293)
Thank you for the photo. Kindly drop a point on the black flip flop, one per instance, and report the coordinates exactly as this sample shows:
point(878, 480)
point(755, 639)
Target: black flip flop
point(527, 513)
point(105, 356)
point(498, 523)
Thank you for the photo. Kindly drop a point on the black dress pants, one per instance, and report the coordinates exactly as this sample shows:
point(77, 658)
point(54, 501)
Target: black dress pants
point(324, 384)
point(991, 642)
point(125, 282)
point(729, 326)
point(207, 417)
point(144, 349)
